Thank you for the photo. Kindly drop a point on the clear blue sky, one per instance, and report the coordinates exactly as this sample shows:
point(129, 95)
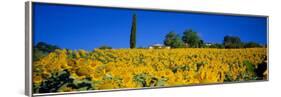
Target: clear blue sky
point(80, 27)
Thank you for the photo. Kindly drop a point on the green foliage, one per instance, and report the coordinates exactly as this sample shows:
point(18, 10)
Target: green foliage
point(216, 46)
point(161, 81)
point(169, 38)
point(201, 44)
point(250, 74)
point(81, 85)
point(173, 40)
point(141, 79)
point(146, 80)
point(46, 47)
point(232, 42)
point(178, 68)
point(178, 43)
point(250, 66)
point(251, 45)
point(235, 42)
point(42, 49)
point(58, 81)
point(191, 38)
point(105, 47)
point(71, 54)
point(133, 32)
point(37, 54)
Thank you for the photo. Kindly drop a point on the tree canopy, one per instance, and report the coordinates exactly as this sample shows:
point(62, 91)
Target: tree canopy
point(105, 47)
point(232, 42)
point(42, 49)
point(191, 38)
point(251, 45)
point(173, 40)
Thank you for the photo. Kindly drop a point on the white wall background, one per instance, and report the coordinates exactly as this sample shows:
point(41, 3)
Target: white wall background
point(12, 47)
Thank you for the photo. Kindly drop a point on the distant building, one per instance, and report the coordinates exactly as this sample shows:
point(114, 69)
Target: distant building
point(158, 46)
point(208, 44)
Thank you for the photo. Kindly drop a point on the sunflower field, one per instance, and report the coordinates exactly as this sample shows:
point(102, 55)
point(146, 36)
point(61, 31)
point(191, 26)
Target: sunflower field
point(79, 70)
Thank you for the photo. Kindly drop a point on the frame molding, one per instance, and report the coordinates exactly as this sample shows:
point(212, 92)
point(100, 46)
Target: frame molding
point(29, 45)
point(28, 49)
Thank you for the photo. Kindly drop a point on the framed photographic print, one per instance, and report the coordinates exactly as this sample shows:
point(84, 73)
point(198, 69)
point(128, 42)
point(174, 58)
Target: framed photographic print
point(83, 48)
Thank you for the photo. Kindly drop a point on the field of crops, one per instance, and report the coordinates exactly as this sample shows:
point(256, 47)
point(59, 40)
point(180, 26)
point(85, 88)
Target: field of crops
point(66, 70)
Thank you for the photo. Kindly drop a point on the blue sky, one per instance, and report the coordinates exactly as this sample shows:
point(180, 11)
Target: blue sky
point(80, 27)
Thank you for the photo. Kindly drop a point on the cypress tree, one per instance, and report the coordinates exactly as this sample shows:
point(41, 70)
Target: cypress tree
point(133, 32)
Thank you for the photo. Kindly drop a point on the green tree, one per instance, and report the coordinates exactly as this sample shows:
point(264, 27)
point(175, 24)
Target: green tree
point(216, 46)
point(251, 45)
point(232, 42)
point(105, 47)
point(177, 42)
point(191, 38)
point(133, 32)
point(173, 40)
point(201, 44)
point(42, 49)
point(169, 38)
point(46, 47)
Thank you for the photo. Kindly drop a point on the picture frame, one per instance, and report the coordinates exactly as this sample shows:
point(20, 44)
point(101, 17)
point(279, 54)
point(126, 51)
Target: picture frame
point(29, 44)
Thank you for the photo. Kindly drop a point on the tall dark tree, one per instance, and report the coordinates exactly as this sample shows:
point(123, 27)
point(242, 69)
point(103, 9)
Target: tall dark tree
point(191, 38)
point(133, 32)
